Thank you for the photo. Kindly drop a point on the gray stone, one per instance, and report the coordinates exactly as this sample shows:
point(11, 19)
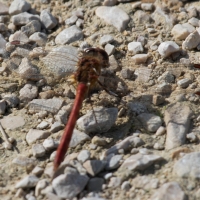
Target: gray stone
point(83, 156)
point(192, 40)
point(164, 88)
point(2, 44)
point(184, 83)
point(29, 181)
point(24, 161)
point(177, 120)
point(140, 161)
point(145, 183)
point(2, 106)
point(19, 36)
point(31, 27)
point(56, 126)
point(48, 20)
point(78, 137)
point(69, 185)
point(194, 21)
point(12, 122)
point(167, 77)
point(28, 92)
point(170, 190)
point(19, 6)
point(38, 150)
point(12, 100)
point(42, 125)
point(188, 166)
point(110, 49)
point(105, 39)
point(135, 47)
point(50, 144)
point(110, 14)
point(50, 105)
point(3, 9)
point(63, 114)
point(33, 135)
point(37, 171)
point(95, 184)
point(72, 20)
point(40, 185)
point(105, 118)
point(166, 48)
point(69, 35)
point(150, 121)
point(23, 18)
point(39, 38)
point(93, 167)
point(125, 144)
point(113, 162)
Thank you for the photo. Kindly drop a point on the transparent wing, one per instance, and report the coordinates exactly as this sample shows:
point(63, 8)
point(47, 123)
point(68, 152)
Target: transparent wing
point(33, 63)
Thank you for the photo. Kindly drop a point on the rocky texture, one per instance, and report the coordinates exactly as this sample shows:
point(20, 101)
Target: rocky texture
point(109, 14)
point(177, 119)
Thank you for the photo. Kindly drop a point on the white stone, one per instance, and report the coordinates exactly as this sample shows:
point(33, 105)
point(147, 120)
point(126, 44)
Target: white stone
point(42, 125)
point(27, 182)
point(40, 186)
point(105, 117)
point(192, 41)
point(165, 49)
point(19, 6)
point(140, 58)
point(28, 92)
point(33, 135)
point(50, 144)
point(69, 185)
point(180, 32)
point(48, 20)
point(110, 14)
point(83, 156)
point(69, 35)
point(135, 47)
point(38, 150)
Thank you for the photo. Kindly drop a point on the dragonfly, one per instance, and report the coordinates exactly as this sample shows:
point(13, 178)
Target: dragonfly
point(84, 79)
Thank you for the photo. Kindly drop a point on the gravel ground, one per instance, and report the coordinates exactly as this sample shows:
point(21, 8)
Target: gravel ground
point(145, 144)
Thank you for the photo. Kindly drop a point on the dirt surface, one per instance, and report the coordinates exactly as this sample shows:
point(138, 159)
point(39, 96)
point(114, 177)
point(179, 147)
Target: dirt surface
point(129, 89)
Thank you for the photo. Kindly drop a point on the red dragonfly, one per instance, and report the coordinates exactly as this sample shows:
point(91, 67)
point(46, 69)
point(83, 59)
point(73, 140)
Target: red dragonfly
point(84, 79)
point(86, 76)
